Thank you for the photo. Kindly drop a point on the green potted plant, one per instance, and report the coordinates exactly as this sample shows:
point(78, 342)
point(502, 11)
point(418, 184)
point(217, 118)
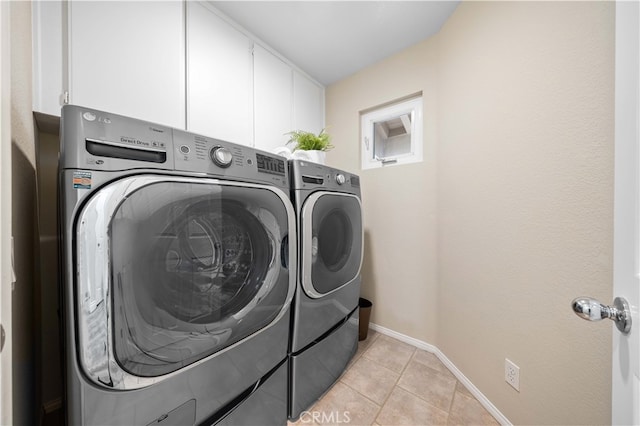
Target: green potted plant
point(309, 146)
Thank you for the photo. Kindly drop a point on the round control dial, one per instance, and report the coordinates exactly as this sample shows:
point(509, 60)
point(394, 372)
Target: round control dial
point(221, 156)
point(340, 179)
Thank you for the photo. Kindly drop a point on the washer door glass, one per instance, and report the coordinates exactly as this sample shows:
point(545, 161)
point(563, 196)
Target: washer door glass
point(331, 242)
point(195, 268)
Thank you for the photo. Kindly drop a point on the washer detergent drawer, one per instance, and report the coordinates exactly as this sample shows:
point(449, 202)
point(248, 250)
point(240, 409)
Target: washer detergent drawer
point(315, 369)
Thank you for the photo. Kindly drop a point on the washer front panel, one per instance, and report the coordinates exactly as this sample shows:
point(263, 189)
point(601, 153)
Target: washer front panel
point(173, 270)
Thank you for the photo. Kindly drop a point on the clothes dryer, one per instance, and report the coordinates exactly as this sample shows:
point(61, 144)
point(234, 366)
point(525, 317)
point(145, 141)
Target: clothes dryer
point(177, 277)
point(324, 334)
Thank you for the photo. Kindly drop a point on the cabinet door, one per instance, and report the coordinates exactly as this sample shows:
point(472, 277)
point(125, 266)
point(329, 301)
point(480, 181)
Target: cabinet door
point(49, 83)
point(128, 58)
point(219, 77)
point(272, 100)
point(308, 104)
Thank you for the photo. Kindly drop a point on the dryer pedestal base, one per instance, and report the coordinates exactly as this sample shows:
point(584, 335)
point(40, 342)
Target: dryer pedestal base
point(315, 369)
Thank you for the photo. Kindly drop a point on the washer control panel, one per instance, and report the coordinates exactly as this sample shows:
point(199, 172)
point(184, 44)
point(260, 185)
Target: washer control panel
point(201, 154)
point(99, 140)
point(269, 164)
point(221, 156)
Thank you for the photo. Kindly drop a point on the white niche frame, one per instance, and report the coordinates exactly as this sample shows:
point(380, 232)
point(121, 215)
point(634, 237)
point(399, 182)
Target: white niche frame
point(392, 134)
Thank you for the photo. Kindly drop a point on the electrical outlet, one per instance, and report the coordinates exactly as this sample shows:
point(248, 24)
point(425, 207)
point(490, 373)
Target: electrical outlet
point(512, 374)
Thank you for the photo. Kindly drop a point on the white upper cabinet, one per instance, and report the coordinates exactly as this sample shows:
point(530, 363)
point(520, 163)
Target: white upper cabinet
point(170, 62)
point(273, 99)
point(128, 58)
point(49, 50)
point(219, 77)
point(308, 104)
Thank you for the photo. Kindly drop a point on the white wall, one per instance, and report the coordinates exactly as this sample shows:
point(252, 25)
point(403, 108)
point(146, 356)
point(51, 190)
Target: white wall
point(23, 217)
point(480, 249)
point(6, 279)
point(525, 203)
point(399, 273)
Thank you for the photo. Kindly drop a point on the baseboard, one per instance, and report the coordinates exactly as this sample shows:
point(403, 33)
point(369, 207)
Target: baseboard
point(450, 365)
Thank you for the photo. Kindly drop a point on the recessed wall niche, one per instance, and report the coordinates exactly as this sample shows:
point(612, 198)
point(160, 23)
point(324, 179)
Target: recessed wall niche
point(392, 133)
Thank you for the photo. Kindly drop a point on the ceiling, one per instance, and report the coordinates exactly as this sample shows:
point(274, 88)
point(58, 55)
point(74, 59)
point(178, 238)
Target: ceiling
point(330, 40)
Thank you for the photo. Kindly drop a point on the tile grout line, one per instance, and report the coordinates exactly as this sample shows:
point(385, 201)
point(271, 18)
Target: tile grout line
point(427, 402)
point(396, 382)
point(462, 379)
point(365, 397)
point(353, 362)
point(362, 355)
point(375, 419)
point(397, 385)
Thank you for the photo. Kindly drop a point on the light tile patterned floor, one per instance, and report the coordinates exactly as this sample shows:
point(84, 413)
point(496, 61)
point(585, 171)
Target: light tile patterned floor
point(389, 382)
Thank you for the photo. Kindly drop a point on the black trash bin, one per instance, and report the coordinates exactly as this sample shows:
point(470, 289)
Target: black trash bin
point(365, 313)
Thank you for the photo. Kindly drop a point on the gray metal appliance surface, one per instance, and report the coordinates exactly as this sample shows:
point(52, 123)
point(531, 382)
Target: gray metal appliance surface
point(177, 278)
point(330, 248)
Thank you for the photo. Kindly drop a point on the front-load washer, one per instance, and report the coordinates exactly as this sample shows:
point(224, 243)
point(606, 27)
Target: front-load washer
point(177, 277)
point(324, 334)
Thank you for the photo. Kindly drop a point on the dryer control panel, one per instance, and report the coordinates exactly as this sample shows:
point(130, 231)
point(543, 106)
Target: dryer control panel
point(306, 175)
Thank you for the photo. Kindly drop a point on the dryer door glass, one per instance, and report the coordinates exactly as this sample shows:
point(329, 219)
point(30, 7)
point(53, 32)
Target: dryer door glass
point(332, 242)
point(195, 268)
